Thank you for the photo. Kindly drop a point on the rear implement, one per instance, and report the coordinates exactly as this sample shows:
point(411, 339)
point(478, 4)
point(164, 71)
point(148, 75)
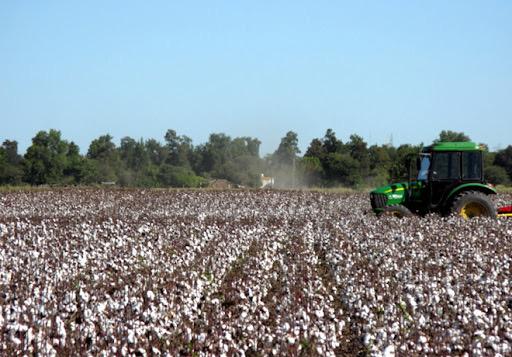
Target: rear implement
point(505, 211)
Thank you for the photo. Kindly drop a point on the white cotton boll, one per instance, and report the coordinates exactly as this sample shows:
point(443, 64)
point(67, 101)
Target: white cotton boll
point(15, 340)
point(131, 336)
point(319, 313)
point(368, 339)
point(29, 337)
point(150, 295)
point(84, 295)
point(389, 351)
point(335, 343)
point(451, 293)
point(50, 351)
point(101, 307)
point(265, 314)
point(82, 260)
point(61, 329)
point(478, 314)
point(87, 314)
point(201, 338)
point(3, 230)
point(412, 302)
point(364, 311)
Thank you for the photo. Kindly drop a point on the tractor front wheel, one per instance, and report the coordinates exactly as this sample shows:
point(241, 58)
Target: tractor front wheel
point(396, 211)
point(473, 204)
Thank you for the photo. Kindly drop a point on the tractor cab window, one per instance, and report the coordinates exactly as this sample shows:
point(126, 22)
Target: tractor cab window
point(446, 166)
point(472, 165)
point(424, 166)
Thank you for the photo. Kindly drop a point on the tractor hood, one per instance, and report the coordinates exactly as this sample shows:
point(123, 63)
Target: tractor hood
point(395, 191)
point(390, 195)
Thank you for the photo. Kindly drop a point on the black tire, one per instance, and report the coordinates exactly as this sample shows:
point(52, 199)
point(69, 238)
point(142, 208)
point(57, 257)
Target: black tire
point(396, 211)
point(472, 204)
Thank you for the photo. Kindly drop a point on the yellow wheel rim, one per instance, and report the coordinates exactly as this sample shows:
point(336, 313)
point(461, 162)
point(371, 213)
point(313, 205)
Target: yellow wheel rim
point(472, 209)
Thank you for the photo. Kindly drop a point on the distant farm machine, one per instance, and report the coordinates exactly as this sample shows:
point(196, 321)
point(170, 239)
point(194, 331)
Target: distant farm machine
point(450, 180)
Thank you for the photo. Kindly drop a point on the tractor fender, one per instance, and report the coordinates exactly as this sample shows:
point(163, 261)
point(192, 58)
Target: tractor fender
point(488, 190)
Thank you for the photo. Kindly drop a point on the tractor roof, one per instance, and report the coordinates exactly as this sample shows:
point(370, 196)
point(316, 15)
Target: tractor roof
point(454, 146)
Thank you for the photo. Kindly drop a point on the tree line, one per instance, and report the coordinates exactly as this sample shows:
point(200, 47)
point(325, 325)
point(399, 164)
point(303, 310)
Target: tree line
point(177, 162)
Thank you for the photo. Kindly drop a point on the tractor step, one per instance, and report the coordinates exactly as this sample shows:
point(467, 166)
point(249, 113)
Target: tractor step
point(505, 211)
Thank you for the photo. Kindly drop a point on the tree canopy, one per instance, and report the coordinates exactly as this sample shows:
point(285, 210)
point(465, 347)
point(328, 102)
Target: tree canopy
point(177, 162)
point(448, 135)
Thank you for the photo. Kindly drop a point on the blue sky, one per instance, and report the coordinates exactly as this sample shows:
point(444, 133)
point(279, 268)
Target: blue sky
point(406, 69)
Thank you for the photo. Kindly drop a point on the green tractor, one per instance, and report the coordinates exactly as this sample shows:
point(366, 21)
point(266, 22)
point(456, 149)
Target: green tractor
point(450, 180)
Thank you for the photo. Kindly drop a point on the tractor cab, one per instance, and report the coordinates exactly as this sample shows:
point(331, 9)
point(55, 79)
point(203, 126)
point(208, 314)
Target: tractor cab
point(449, 179)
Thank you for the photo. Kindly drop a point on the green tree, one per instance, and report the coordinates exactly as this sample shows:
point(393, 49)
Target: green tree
point(496, 175)
point(379, 157)
point(178, 176)
point(179, 149)
point(236, 160)
point(337, 159)
point(102, 148)
point(78, 169)
point(214, 154)
point(380, 163)
point(503, 159)
point(105, 158)
point(401, 161)
point(133, 154)
point(288, 149)
point(46, 158)
point(448, 135)
point(11, 169)
point(342, 169)
point(358, 149)
point(283, 162)
point(253, 146)
point(316, 149)
point(331, 143)
point(310, 171)
point(156, 152)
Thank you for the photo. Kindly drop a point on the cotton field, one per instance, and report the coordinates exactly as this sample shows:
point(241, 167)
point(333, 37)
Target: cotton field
point(159, 273)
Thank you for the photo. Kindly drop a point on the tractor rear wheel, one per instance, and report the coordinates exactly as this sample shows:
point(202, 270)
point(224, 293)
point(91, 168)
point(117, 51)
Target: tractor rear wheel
point(471, 204)
point(396, 211)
